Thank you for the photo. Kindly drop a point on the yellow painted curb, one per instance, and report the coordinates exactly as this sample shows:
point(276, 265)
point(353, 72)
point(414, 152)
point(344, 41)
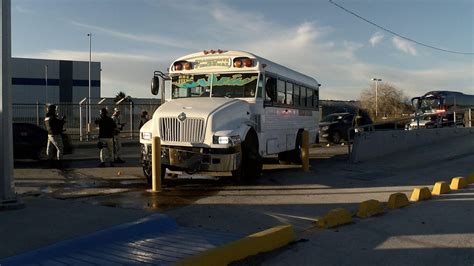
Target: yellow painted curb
point(420, 193)
point(397, 200)
point(369, 208)
point(439, 188)
point(470, 178)
point(263, 241)
point(335, 217)
point(458, 183)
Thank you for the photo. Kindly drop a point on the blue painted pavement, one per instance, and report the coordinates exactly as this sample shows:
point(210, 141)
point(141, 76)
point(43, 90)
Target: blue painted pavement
point(154, 240)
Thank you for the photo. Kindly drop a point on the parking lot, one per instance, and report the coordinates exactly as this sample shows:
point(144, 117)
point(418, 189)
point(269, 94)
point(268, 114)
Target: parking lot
point(284, 194)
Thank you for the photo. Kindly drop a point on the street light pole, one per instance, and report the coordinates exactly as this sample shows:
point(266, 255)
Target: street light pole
point(89, 105)
point(376, 95)
point(46, 81)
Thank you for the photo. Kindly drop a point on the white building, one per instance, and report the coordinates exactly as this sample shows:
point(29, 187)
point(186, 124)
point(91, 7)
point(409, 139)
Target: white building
point(53, 81)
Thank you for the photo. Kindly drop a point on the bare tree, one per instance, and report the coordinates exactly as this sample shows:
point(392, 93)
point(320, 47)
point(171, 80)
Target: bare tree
point(391, 101)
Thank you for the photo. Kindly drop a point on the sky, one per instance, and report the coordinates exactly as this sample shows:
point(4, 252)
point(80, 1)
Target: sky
point(132, 38)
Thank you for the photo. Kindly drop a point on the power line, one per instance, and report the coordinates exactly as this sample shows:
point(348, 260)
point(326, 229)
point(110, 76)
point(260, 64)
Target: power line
point(399, 35)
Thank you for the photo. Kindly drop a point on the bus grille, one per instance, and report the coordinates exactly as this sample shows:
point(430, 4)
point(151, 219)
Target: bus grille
point(190, 130)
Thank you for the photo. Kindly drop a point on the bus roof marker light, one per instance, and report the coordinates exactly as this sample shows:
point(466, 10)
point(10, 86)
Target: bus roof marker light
point(219, 51)
point(178, 66)
point(187, 65)
point(248, 62)
point(237, 62)
point(205, 52)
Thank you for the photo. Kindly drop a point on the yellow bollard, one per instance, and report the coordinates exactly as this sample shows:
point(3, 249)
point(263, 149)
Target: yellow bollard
point(305, 151)
point(156, 164)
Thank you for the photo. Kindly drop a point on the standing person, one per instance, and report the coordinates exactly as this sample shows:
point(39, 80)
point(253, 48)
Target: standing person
point(117, 139)
point(106, 137)
point(54, 126)
point(143, 119)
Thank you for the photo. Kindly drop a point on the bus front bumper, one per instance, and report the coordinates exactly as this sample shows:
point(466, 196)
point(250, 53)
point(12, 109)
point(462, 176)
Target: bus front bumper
point(213, 160)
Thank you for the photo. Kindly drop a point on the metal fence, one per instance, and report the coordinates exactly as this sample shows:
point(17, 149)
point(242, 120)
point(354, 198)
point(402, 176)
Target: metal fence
point(76, 115)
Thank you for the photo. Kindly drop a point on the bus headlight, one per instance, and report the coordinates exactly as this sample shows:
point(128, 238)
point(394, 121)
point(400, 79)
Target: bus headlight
point(232, 140)
point(146, 135)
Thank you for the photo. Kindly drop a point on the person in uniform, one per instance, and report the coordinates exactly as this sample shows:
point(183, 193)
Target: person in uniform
point(117, 139)
point(107, 128)
point(54, 126)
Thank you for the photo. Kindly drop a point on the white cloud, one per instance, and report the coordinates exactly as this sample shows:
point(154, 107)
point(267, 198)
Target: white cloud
point(376, 38)
point(404, 46)
point(307, 47)
point(154, 39)
point(22, 9)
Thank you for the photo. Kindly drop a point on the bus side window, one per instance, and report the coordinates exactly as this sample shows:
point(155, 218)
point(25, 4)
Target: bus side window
point(296, 95)
point(289, 93)
point(309, 97)
point(316, 99)
point(270, 89)
point(260, 86)
point(281, 91)
point(303, 96)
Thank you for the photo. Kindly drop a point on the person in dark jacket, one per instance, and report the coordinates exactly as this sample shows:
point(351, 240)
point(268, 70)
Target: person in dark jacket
point(143, 119)
point(107, 128)
point(54, 126)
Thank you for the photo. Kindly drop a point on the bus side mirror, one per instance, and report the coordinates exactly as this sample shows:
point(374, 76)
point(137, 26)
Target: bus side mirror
point(155, 85)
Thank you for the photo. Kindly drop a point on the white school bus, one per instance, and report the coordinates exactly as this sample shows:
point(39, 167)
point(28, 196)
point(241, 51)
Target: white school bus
point(228, 110)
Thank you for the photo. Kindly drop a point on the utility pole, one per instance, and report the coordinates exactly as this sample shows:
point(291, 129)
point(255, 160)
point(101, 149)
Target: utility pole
point(8, 198)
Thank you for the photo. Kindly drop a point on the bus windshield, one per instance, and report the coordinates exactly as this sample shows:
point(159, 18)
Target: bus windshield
point(234, 85)
point(427, 104)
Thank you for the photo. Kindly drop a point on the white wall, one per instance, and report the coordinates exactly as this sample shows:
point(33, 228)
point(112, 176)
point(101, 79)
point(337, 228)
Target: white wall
point(370, 145)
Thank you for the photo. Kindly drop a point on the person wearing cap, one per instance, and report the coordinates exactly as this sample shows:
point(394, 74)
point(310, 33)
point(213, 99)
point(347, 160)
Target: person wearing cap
point(54, 126)
point(106, 137)
point(117, 139)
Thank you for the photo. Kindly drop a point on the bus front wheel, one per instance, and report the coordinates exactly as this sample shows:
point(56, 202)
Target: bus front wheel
point(251, 163)
point(148, 173)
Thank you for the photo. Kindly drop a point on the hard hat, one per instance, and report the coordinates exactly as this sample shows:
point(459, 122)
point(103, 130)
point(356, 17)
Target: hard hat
point(116, 109)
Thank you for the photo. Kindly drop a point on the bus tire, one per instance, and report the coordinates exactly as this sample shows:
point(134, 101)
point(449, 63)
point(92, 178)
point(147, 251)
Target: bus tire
point(148, 173)
point(284, 158)
point(294, 156)
point(251, 164)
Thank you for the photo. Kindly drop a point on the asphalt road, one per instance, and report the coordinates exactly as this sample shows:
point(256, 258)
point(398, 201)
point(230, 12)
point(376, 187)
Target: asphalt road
point(435, 232)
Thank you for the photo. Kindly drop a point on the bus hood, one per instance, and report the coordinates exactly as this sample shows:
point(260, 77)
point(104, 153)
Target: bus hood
point(195, 107)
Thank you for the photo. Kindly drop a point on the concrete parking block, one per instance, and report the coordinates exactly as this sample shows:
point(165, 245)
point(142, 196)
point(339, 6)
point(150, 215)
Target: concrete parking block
point(263, 241)
point(420, 193)
point(335, 217)
point(397, 200)
point(440, 187)
point(458, 183)
point(369, 208)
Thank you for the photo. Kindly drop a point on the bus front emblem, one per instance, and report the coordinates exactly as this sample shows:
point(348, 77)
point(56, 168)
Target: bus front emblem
point(182, 117)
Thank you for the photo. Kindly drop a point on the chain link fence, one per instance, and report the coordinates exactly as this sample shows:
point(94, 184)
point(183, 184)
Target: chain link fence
point(78, 126)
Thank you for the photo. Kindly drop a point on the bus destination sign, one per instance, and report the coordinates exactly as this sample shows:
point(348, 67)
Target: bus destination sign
point(212, 62)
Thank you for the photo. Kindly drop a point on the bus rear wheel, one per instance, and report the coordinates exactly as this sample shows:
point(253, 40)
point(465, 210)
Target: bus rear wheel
point(251, 163)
